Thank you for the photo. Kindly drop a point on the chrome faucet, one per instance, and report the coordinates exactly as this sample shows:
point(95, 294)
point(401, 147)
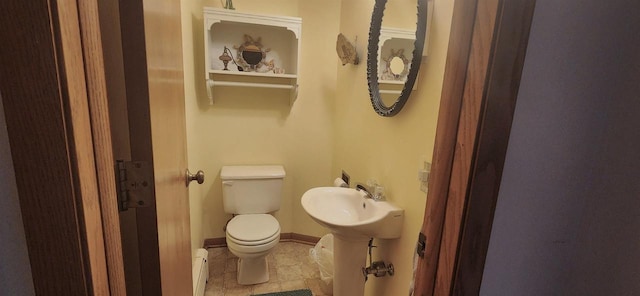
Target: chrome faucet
point(372, 190)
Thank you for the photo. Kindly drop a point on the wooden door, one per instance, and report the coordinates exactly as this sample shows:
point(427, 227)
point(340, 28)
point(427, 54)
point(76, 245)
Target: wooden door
point(484, 63)
point(55, 95)
point(144, 71)
point(163, 38)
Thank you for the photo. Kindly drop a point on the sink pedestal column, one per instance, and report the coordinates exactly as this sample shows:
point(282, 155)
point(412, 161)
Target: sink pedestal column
point(349, 257)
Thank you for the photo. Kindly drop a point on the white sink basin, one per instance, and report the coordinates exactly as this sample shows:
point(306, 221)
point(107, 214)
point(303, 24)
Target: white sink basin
point(348, 212)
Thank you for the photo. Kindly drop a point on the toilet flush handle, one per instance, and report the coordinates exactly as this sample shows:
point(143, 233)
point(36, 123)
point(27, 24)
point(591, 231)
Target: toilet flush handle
point(198, 176)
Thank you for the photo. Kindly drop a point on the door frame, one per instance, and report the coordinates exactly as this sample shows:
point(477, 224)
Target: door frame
point(46, 175)
point(53, 89)
point(485, 57)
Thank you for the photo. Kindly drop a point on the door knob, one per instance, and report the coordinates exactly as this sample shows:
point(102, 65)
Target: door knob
point(199, 176)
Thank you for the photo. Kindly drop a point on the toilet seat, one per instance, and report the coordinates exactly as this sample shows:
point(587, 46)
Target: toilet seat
point(253, 230)
point(276, 236)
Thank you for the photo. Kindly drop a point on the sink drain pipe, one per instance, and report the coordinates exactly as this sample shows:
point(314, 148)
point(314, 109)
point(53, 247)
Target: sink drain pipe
point(377, 268)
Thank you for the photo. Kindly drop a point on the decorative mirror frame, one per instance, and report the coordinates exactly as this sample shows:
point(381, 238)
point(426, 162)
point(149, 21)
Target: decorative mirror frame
point(372, 59)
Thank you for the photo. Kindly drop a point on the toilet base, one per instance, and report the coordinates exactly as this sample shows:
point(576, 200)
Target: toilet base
point(253, 270)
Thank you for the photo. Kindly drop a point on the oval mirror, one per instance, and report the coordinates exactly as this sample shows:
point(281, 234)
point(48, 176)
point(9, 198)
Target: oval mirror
point(394, 52)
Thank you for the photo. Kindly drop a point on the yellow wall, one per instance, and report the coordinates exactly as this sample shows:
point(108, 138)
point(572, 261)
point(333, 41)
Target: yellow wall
point(331, 126)
point(257, 126)
point(389, 149)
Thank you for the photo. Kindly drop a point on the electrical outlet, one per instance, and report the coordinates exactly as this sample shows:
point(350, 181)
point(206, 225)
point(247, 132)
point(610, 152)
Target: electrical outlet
point(345, 177)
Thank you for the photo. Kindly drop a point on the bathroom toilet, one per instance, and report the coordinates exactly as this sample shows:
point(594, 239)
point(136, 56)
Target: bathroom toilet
point(251, 193)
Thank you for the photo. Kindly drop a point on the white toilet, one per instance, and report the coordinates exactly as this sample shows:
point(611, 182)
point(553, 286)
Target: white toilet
point(251, 193)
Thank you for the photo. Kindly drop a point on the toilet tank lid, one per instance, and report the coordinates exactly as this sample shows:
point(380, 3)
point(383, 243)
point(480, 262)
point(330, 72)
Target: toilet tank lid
point(252, 172)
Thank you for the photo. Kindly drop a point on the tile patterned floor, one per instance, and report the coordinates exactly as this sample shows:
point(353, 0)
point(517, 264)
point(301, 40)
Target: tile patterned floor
point(290, 268)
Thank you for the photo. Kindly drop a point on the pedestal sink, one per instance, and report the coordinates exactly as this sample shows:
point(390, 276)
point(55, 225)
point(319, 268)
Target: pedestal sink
point(353, 219)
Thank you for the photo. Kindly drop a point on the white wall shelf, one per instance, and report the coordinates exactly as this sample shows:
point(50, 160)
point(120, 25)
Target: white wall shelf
point(252, 84)
point(280, 34)
point(390, 92)
point(253, 74)
point(397, 82)
point(393, 39)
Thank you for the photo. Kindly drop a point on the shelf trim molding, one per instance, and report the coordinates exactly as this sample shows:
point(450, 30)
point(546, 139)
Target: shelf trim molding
point(252, 84)
point(253, 74)
point(293, 24)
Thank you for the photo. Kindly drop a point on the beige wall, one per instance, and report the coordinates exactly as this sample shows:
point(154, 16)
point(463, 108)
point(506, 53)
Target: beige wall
point(331, 126)
point(389, 149)
point(257, 126)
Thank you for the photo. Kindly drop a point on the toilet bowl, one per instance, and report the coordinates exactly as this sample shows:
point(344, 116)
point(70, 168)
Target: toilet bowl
point(251, 237)
point(252, 194)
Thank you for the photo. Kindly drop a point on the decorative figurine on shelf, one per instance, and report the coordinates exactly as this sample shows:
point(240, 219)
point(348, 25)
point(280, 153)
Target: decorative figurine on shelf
point(227, 56)
point(251, 53)
point(346, 51)
point(268, 66)
point(228, 5)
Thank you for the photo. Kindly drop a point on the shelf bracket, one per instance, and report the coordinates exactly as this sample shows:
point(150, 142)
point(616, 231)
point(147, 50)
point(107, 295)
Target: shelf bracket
point(294, 95)
point(210, 91)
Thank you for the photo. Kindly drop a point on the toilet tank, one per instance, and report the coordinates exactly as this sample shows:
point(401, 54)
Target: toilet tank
point(252, 189)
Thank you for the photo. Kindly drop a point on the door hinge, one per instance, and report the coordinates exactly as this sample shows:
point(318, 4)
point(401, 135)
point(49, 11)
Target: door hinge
point(134, 180)
point(422, 244)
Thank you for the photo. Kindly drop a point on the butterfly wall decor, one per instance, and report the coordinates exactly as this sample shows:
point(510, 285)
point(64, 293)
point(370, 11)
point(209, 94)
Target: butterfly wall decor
point(346, 51)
